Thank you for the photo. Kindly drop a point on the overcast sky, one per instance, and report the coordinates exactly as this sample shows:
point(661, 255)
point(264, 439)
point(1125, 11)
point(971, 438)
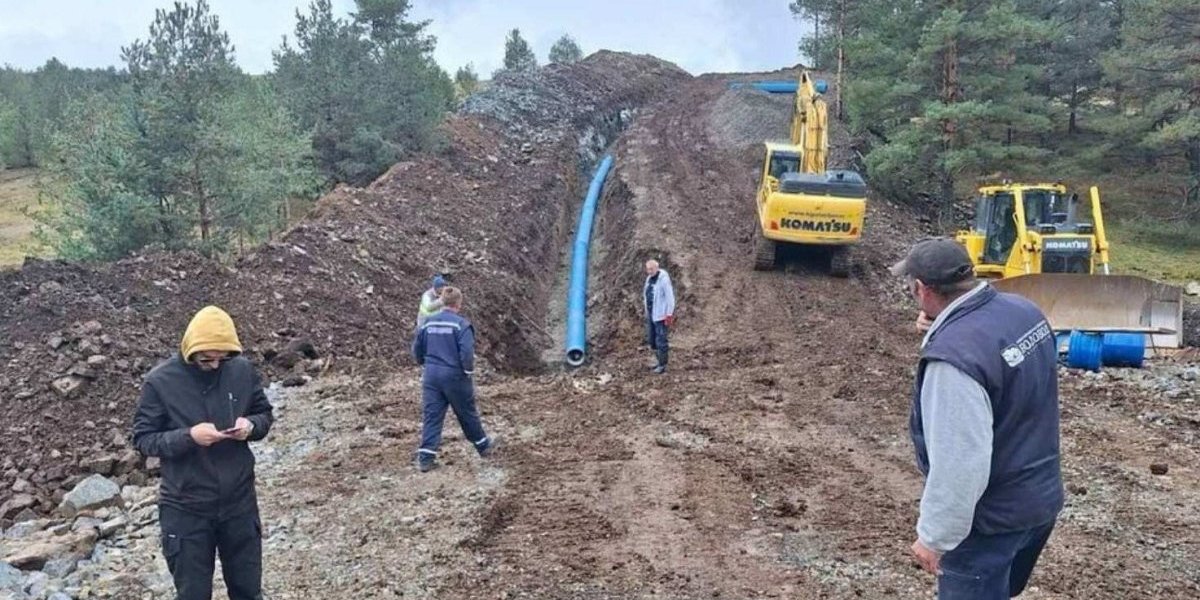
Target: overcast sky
point(699, 35)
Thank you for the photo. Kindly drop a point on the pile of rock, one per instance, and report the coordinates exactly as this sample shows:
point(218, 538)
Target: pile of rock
point(100, 543)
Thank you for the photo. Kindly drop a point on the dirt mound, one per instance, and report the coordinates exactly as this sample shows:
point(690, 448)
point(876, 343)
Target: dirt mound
point(747, 117)
point(542, 105)
point(492, 212)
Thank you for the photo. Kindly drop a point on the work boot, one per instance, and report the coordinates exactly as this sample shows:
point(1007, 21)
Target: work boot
point(426, 462)
point(489, 449)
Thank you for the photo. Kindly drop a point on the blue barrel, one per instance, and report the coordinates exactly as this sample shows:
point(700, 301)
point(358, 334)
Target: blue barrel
point(1123, 350)
point(1084, 350)
point(1062, 341)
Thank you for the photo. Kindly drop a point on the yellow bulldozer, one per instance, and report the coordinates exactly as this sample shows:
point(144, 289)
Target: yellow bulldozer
point(799, 201)
point(1033, 239)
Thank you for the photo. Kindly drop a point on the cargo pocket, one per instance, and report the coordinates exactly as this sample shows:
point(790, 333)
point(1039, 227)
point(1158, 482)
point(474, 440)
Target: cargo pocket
point(953, 585)
point(171, 546)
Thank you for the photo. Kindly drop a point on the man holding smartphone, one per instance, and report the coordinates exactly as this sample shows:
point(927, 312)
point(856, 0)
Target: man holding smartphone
point(198, 411)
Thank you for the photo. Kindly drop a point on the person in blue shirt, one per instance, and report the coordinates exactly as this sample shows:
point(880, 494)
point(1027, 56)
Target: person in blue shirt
point(445, 347)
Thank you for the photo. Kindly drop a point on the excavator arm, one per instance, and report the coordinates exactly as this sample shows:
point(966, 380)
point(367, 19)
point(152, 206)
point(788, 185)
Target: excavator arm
point(810, 125)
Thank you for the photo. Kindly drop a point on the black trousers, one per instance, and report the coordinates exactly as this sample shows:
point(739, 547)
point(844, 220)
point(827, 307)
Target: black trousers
point(191, 544)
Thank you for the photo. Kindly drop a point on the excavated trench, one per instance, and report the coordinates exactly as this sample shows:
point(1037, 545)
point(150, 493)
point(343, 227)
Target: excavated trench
point(592, 145)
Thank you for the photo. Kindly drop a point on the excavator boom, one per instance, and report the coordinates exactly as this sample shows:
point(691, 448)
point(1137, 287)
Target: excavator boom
point(810, 125)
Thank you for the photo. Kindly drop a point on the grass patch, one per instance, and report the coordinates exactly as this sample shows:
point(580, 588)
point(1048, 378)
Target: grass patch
point(18, 194)
point(1163, 250)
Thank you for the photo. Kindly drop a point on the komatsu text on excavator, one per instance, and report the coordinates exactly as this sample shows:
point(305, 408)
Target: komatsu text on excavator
point(799, 201)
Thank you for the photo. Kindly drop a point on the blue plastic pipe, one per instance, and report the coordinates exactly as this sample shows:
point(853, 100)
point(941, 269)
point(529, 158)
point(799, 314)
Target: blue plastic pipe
point(577, 289)
point(773, 87)
point(779, 86)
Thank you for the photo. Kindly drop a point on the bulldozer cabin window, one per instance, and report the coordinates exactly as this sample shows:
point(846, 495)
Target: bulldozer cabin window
point(1043, 206)
point(784, 163)
point(1001, 229)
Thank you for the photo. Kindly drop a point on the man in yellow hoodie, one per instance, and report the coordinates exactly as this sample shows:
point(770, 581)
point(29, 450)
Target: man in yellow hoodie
point(199, 409)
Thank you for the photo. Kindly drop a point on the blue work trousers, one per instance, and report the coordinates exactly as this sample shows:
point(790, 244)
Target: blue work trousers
point(443, 389)
point(991, 567)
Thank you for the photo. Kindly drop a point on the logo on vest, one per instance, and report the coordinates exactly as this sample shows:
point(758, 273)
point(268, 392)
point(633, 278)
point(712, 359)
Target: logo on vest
point(1015, 354)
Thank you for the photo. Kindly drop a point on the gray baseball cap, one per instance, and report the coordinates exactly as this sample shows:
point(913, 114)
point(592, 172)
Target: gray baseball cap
point(936, 261)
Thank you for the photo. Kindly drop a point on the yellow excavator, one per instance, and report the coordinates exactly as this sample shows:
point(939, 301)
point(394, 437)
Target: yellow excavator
point(799, 201)
point(1033, 240)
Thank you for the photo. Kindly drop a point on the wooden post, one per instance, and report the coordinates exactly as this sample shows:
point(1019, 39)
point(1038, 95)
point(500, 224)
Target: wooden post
point(950, 95)
point(841, 59)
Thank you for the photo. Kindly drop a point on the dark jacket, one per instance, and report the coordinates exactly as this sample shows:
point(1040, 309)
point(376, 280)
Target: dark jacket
point(1003, 342)
point(217, 481)
point(445, 345)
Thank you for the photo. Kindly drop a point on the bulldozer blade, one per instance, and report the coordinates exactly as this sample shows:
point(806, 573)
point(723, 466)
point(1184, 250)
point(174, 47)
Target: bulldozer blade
point(1105, 303)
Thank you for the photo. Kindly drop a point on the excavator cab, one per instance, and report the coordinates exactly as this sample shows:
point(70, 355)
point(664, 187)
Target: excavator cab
point(782, 162)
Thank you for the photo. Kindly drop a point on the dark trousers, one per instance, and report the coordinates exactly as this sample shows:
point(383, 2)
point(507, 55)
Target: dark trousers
point(656, 338)
point(191, 543)
point(454, 391)
point(991, 567)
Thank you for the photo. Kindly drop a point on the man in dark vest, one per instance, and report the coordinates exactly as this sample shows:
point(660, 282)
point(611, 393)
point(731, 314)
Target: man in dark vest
point(984, 424)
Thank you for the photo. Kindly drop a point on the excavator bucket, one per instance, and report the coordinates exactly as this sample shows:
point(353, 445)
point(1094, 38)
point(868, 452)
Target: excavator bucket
point(1105, 303)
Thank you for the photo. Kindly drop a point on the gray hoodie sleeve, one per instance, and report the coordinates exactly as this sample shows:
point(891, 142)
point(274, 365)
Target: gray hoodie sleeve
point(956, 416)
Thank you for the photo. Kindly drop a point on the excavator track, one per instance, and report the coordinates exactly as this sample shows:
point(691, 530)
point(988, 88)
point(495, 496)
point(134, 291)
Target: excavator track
point(841, 261)
point(764, 253)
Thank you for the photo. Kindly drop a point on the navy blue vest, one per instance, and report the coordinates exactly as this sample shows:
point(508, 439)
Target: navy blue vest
point(1003, 342)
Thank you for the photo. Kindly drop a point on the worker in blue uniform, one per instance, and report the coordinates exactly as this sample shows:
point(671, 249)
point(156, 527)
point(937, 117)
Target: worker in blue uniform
point(445, 347)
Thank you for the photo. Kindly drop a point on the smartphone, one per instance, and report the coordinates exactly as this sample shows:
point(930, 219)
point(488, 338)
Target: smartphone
point(231, 430)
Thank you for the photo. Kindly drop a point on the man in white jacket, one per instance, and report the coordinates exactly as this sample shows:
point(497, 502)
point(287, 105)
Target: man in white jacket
point(659, 300)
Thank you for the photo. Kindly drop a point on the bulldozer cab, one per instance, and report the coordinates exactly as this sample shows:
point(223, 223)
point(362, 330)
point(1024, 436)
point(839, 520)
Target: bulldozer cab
point(1046, 211)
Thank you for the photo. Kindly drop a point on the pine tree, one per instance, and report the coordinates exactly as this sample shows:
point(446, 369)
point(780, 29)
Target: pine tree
point(179, 75)
point(518, 56)
point(1080, 31)
point(1159, 75)
point(191, 153)
point(940, 86)
point(821, 45)
point(100, 206)
point(565, 51)
point(368, 87)
point(466, 80)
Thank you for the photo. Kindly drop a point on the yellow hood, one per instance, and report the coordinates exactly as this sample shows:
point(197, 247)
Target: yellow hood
point(210, 329)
